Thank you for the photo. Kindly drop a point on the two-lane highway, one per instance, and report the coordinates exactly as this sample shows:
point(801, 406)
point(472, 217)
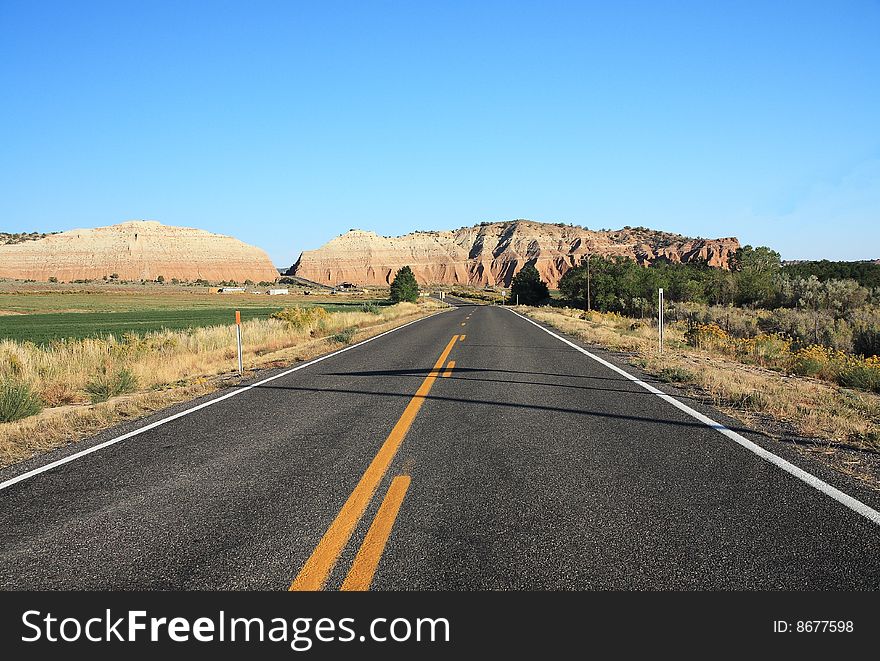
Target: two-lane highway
point(469, 450)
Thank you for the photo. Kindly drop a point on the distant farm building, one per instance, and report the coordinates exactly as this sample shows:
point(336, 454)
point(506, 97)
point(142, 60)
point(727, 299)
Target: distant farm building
point(232, 290)
point(279, 292)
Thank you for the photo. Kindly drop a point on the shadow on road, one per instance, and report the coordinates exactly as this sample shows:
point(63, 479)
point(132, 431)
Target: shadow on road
point(505, 404)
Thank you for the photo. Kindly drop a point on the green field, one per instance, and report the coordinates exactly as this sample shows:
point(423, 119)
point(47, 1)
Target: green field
point(44, 317)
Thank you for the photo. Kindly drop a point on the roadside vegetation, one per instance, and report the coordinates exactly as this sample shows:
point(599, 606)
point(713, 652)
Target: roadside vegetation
point(404, 287)
point(798, 345)
point(832, 416)
point(55, 392)
point(527, 288)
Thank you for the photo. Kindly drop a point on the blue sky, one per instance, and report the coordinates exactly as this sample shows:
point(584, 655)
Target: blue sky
point(286, 123)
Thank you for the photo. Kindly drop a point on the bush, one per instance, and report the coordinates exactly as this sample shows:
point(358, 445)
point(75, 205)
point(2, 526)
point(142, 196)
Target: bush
point(866, 342)
point(17, 400)
point(370, 308)
point(863, 377)
point(405, 287)
point(107, 385)
point(302, 318)
point(709, 337)
point(345, 336)
point(805, 366)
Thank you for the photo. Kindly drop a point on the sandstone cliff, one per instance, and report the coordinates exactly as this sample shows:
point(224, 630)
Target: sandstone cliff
point(136, 250)
point(491, 253)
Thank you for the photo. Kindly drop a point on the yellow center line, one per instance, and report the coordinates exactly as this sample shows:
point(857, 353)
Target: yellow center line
point(461, 338)
point(317, 568)
point(449, 366)
point(364, 567)
point(462, 323)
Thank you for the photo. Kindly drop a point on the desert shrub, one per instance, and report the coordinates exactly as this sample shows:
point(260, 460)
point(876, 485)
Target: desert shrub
point(676, 375)
point(837, 334)
point(371, 308)
point(109, 384)
point(58, 393)
point(345, 336)
point(767, 350)
point(864, 376)
point(708, 336)
point(806, 327)
point(302, 318)
point(736, 322)
point(816, 360)
point(17, 400)
point(866, 341)
point(805, 366)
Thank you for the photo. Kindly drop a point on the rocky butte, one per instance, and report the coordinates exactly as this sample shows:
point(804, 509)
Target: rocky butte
point(136, 250)
point(491, 253)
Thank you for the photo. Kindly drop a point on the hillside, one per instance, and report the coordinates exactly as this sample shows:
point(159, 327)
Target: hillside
point(491, 253)
point(135, 250)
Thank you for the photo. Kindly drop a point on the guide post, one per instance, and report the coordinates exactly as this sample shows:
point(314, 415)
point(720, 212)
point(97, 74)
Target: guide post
point(660, 319)
point(238, 339)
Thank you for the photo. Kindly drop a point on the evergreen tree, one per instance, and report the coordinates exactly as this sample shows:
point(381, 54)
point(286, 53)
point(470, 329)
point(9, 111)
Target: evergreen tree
point(527, 284)
point(404, 287)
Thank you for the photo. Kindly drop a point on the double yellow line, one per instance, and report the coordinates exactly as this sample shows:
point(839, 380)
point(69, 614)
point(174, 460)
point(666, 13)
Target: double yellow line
point(314, 574)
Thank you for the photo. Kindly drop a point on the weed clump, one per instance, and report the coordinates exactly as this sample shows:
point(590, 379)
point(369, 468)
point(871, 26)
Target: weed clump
point(17, 400)
point(109, 384)
point(345, 336)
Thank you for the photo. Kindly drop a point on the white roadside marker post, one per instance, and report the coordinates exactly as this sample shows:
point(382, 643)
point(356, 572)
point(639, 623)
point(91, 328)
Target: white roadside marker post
point(660, 319)
point(238, 338)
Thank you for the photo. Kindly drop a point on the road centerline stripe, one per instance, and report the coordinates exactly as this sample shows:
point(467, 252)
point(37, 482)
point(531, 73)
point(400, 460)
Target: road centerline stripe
point(449, 367)
point(360, 576)
point(844, 499)
point(317, 568)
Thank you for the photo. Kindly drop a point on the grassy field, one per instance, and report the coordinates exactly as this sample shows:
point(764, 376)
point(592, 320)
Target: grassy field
point(54, 393)
point(44, 316)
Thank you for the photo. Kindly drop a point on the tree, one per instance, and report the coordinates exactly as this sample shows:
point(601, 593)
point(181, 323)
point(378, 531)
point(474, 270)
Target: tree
point(160, 279)
point(757, 274)
point(404, 287)
point(528, 286)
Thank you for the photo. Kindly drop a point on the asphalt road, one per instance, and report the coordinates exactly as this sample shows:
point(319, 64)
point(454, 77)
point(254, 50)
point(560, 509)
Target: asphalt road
point(528, 466)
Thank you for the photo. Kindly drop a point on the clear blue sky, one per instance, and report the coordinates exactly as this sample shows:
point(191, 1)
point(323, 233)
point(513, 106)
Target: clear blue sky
point(286, 123)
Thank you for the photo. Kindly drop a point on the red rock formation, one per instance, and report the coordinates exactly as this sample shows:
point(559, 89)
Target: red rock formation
point(491, 253)
point(136, 250)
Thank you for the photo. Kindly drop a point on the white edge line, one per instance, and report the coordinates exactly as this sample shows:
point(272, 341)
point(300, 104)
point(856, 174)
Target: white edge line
point(216, 400)
point(844, 499)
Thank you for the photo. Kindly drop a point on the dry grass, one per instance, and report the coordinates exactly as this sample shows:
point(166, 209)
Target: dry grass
point(169, 367)
point(816, 409)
